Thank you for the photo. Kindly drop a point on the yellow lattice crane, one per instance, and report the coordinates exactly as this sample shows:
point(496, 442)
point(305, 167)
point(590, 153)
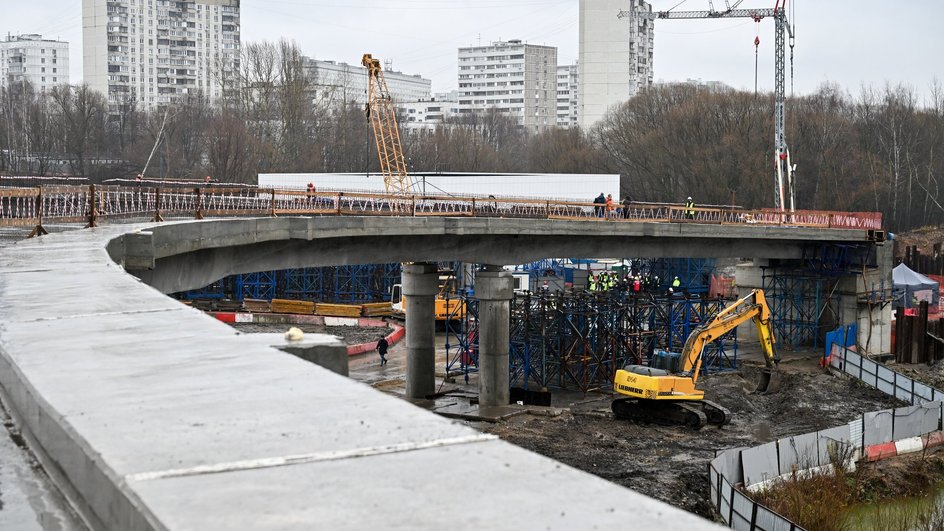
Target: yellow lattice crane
point(383, 120)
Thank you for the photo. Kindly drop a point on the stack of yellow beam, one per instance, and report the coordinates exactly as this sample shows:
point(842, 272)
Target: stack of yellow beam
point(288, 306)
point(376, 309)
point(338, 310)
point(256, 305)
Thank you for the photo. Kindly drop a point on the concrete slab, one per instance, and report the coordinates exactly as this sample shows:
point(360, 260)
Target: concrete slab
point(480, 485)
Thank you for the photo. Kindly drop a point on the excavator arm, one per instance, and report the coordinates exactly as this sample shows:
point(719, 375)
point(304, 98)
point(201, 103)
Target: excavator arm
point(752, 306)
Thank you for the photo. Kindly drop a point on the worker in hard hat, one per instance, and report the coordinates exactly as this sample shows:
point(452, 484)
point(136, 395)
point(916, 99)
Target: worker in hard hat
point(689, 208)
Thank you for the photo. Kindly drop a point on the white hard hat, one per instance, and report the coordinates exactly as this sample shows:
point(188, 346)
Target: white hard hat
point(689, 198)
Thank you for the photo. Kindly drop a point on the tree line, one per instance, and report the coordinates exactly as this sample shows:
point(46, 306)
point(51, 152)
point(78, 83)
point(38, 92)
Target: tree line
point(880, 150)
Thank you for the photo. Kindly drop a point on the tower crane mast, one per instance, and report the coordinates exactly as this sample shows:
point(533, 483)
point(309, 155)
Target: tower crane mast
point(383, 121)
point(784, 189)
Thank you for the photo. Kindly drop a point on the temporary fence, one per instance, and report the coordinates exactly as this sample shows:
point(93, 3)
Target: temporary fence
point(734, 473)
point(91, 204)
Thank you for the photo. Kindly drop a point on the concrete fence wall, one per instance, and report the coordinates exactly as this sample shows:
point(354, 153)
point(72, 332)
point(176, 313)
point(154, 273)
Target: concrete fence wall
point(873, 435)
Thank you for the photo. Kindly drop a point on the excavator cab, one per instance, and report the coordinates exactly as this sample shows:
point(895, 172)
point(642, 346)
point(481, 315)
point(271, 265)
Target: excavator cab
point(666, 394)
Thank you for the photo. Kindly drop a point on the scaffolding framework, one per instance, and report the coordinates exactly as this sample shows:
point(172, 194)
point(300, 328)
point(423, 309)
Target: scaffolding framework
point(578, 340)
point(351, 284)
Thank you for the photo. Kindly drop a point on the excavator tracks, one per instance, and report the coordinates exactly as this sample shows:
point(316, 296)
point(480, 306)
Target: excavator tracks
point(671, 413)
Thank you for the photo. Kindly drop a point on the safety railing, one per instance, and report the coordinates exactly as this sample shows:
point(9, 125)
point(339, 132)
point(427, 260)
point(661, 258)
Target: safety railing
point(26, 206)
point(735, 473)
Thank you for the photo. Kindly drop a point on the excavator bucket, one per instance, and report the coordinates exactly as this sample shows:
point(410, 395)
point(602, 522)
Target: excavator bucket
point(769, 381)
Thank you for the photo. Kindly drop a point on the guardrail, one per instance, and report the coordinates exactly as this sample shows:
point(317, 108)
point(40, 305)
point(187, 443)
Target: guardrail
point(734, 473)
point(90, 204)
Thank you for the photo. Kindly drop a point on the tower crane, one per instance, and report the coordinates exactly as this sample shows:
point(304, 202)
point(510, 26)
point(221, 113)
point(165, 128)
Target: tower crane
point(784, 189)
point(383, 121)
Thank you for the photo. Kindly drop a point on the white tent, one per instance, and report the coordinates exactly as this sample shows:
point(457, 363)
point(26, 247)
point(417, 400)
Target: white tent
point(913, 286)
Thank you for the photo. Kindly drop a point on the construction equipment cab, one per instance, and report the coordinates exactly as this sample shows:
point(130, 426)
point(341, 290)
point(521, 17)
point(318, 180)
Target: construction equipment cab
point(656, 394)
point(448, 306)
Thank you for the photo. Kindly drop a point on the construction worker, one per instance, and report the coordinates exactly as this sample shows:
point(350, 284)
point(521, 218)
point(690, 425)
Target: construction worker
point(600, 201)
point(610, 207)
point(676, 284)
point(592, 281)
point(689, 208)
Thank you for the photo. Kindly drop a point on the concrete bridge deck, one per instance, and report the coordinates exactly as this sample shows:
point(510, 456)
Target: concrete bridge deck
point(152, 415)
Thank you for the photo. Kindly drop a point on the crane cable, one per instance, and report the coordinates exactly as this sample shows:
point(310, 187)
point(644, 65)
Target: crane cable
point(756, 45)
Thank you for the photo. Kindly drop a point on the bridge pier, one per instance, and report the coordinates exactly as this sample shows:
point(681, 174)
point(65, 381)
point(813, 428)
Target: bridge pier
point(856, 296)
point(420, 286)
point(494, 290)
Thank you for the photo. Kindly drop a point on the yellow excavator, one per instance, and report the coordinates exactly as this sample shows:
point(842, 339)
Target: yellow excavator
point(662, 396)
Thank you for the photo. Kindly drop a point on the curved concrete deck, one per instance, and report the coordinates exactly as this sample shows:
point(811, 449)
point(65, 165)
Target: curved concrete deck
point(191, 255)
point(152, 415)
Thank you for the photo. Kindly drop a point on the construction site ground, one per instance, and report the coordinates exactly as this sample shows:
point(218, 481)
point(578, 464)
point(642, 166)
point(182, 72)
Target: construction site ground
point(349, 335)
point(667, 463)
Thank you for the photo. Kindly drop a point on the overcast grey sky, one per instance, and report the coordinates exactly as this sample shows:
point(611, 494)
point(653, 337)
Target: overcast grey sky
point(849, 42)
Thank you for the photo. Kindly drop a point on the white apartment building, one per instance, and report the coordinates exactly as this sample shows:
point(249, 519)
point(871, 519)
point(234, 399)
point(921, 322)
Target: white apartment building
point(516, 78)
point(341, 82)
point(615, 56)
point(567, 88)
point(42, 62)
point(427, 115)
point(148, 53)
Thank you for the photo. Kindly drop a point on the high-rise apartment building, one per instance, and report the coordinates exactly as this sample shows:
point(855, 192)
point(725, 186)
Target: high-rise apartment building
point(42, 62)
point(342, 82)
point(567, 88)
point(147, 53)
point(515, 78)
point(615, 55)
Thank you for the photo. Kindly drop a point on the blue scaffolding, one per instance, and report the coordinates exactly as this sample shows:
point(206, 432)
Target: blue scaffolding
point(352, 284)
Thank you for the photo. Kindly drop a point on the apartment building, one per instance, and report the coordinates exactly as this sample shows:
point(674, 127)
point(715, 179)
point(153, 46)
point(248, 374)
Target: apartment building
point(615, 55)
point(516, 78)
point(44, 63)
point(567, 88)
point(150, 53)
point(341, 82)
point(428, 114)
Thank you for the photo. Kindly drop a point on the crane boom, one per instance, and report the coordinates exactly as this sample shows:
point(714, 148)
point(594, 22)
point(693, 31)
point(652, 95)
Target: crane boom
point(784, 189)
point(383, 121)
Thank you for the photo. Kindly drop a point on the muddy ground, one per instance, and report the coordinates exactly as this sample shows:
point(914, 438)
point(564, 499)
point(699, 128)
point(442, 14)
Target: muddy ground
point(350, 335)
point(670, 463)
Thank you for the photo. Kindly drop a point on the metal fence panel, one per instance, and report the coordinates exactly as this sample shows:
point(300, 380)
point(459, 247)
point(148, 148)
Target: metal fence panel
point(840, 435)
point(878, 426)
point(903, 388)
point(908, 422)
point(923, 393)
point(798, 452)
point(760, 463)
point(743, 508)
point(725, 508)
point(766, 519)
point(713, 493)
point(868, 372)
point(886, 378)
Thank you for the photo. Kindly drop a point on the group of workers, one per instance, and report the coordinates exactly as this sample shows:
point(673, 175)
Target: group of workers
point(610, 209)
point(606, 281)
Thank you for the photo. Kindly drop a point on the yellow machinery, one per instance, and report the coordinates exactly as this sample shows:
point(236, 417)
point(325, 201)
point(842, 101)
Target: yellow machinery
point(448, 307)
point(655, 394)
point(383, 121)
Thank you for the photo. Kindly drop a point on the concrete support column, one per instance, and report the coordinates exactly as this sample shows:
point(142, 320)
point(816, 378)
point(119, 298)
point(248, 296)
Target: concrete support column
point(494, 290)
point(420, 286)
